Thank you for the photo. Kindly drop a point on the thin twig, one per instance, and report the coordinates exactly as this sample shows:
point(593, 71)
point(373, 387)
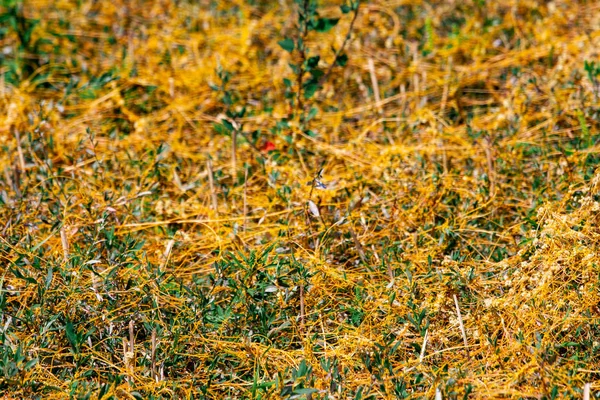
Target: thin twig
point(424, 346)
point(543, 378)
point(245, 199)
point(234, 155)
point(171, 87)
point(302, 308)
point(462, 327)
point(416, 89)
point(359, 248)
point(390, 272)
point(341, 49)
point(130, 47)
point(446, 86)
point(131, 337)
point(65, 243)
point(131, 354)
point(444, 156)
point(211, 182)
point(19, 150)
point(302, 50)
point(126, 353)
point(312, 188)
point(153, 355)
point(403, 99)
point(490, 165)
point(374, 84)
point(127, 357)
point(8, 178)
point(167, 254)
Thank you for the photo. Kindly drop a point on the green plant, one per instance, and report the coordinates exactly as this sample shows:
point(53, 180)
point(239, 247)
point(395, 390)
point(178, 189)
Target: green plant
point(309, 75)
point(593, 71)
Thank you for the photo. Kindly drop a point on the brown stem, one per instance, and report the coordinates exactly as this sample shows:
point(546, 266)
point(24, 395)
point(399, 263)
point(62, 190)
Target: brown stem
point(359, 248)
point(212, 185)
point(341, 49)
point(153, 355)
point(461, 325)
point(302, 307)
point(245, 199)
point(302, 50)
point(490, 165)
point(374, 85)
point(131, 337)
point(234, 155)
point(19, 150)
point(65, 243)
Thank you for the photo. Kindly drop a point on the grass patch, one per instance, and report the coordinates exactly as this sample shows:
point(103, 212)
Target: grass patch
point(301, 200)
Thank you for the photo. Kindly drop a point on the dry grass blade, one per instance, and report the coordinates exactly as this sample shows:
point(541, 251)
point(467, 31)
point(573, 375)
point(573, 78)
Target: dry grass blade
point(461, 325)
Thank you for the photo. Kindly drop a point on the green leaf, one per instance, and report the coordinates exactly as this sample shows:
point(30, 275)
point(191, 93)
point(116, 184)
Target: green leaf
point(48, 278)
point(310, 88)
point(265, 385)
point(103, 389)
point(583, 124)
point(325, 24)
point(220, 129)
point(312, 62)
point(569, 344)
point(287, 44)
point(30, 364)
point(239, 114)
point(287, 82)
point(346, 8)
point(71, 336)
point(341, 60)
point(305, 391)
point(19, 275)
point(316, 74)
point(8, 17)
point(32, 23)
point(224, 128)
point(312, 113)
point(294, 68)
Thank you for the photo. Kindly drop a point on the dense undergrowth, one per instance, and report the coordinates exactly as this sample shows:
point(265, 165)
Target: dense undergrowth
point(221, 199)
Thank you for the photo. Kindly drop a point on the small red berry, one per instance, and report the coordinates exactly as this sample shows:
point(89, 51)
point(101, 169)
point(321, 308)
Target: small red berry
point(268, 146)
